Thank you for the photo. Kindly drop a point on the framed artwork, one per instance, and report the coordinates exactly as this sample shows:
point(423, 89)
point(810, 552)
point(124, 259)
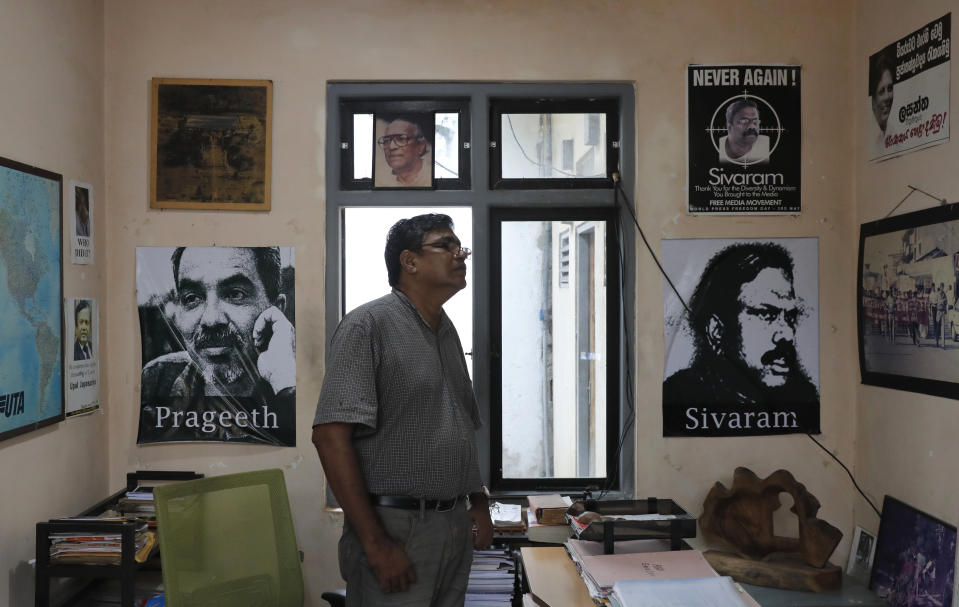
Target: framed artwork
point(210, 144)
point(907, 313)
point(915, 557)
point(403, 150)
point(31, 296)
point(81, 212)
point(860, 556)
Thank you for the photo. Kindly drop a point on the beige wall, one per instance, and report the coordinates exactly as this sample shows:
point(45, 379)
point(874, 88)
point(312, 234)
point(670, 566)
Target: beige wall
point(907, 441)
point(300, 46)
point(52, 118)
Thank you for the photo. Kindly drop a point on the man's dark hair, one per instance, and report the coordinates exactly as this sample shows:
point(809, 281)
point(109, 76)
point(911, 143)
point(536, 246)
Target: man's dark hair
point(717, 293)
point(407, 234)
point(881, 64)
point(81, 305)
point(733, 108)
point(267, 261)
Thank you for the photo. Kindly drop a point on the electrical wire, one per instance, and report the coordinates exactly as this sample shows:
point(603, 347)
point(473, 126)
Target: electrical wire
point(525, 155)
point(617, 191)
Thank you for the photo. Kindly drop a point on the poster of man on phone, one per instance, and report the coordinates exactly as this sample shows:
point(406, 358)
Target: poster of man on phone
point(218, 340)
point(744, 139)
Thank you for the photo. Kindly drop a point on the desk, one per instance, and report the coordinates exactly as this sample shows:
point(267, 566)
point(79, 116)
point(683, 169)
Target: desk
point(554, 581)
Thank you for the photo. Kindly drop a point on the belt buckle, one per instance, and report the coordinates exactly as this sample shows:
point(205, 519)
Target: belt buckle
point(452, 505)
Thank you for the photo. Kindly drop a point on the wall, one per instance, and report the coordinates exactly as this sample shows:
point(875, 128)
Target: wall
point(907, 444)
point(52, 108)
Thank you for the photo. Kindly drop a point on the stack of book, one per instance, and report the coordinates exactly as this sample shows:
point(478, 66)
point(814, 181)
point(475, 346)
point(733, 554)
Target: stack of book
point(138, 504)
point(99, 547)
point(492, 580)
point(546, 518)
point(507, 520)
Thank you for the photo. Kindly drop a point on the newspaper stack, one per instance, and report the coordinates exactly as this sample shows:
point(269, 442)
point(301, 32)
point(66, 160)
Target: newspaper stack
point(492, 579)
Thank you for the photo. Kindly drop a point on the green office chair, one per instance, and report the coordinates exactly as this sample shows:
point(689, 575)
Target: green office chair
point(228, 541)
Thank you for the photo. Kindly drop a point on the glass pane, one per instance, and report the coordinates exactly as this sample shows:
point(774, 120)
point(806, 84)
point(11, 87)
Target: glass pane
point(447, 158)
point(364, 276)
point(553, 146)
point(362, 146)
point(554, 349)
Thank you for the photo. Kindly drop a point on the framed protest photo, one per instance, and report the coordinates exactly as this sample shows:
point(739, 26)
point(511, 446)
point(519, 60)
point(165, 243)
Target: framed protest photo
point(31, 296)
point(210, 146)
point(908, 319)
point(403, 150)
point(915, 557)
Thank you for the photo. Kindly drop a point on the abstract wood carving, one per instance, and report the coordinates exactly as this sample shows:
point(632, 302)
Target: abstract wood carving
point(741, 520)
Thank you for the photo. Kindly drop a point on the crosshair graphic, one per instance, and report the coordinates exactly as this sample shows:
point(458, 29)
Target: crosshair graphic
point(715, 130)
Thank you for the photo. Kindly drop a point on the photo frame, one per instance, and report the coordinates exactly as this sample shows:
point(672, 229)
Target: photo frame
point(908, 317)
point(861, 555)
point(31, 300)
point(210, 144)
point(915, 557)
point(399, 165)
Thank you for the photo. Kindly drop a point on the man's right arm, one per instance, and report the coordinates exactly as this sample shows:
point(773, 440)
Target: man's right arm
point(387, 558)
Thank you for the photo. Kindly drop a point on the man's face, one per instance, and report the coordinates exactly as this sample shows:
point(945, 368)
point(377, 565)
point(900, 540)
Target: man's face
point(220, 296)
point(439, 267)
point(402, 158)
point(769, 311)
point(83, 326)
point(882, 99)
point(83, 210)
point(744, 129)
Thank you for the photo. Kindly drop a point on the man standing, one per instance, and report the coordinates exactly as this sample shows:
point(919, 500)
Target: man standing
point(395, 430)
point(82, 322)
point(743, 315)
point(743, 144)
point(235, 379)
point(941, 303)
point(404, 146)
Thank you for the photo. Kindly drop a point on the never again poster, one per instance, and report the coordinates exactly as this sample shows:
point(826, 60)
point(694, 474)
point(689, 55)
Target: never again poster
point(744, 139)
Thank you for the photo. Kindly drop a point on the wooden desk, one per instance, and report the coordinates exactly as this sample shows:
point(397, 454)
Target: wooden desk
point(553, 578)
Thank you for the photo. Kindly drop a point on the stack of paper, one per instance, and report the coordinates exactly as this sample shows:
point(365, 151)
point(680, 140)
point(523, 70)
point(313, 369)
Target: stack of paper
point(600, 572)
point(138, 503)
point(579, 548)
point(507, 520)
point(703, 592)
point(492, 579)
point(98, 547)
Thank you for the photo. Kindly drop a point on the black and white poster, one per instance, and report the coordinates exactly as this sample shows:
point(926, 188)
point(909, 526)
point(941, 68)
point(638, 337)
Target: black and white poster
point(83, 360)
point(741, 337)
point(81, 213)
point(218, 342)
point(908, 97)
point(744, 139)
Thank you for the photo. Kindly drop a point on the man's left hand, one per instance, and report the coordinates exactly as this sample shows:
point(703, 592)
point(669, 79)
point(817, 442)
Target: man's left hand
point(482, 523)
point(275, 340)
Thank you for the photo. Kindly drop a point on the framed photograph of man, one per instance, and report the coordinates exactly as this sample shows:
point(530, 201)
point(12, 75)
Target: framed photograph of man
point(859, 565)
point(915, 557)
point(211, 144)
point(403, 150)
point(83, 371)
point(908, 321)
point(81, 214)
point(742, 337)
point(218, 344)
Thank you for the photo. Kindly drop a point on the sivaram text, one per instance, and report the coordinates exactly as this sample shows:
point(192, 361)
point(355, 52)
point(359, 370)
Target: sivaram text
point(11, 404)
point(209, 421)
point(718, 176)
point(702, 419)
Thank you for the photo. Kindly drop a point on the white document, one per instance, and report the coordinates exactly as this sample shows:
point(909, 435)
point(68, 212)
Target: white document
point(702, 592)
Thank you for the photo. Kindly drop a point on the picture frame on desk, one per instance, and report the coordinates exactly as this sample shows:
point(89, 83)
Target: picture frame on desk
point(861, 555)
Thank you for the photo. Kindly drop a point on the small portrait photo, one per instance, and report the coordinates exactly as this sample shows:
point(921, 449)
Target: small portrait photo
point(860, 556)
point(83, 330)
point(403, 152)
point(745, 130)
point(81, 197)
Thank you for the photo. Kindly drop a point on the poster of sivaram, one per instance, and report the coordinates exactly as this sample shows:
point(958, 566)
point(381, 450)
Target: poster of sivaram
point(744, 139)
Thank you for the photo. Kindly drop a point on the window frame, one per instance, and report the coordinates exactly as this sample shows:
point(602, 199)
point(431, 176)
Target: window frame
point(499, 215)
point(480, 197)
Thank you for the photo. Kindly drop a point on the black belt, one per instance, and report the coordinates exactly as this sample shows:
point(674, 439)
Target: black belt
point(413, 503)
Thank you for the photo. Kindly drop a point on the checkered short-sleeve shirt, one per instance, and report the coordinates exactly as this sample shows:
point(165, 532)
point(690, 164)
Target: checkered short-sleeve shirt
point(408, 391)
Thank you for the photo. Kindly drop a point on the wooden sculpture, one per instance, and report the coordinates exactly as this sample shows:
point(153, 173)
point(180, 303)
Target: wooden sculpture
point(740, 519)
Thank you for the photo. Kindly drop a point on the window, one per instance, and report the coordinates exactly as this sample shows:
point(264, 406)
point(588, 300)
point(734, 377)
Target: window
point(547, 244)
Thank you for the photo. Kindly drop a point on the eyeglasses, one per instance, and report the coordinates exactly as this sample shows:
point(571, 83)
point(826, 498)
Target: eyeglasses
point(450, 246)
point(400, 140)
point(747, 121)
